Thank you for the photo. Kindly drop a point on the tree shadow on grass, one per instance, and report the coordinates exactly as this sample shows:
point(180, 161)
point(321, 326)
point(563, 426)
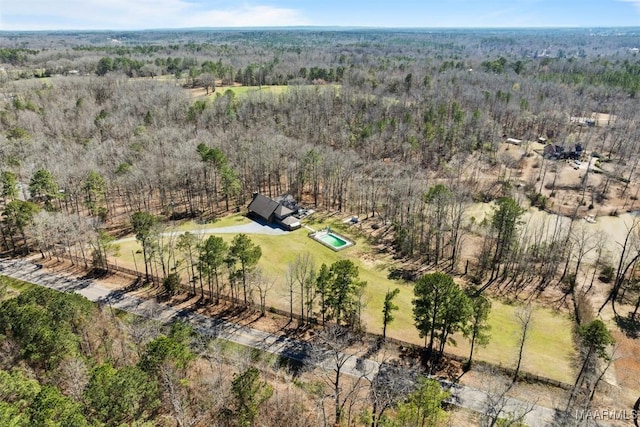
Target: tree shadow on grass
point(629, 325)
point(403, 274)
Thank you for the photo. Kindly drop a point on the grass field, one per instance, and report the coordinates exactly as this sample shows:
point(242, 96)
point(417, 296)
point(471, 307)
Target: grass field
point(240, 91)
point(243, 90)
point(218, 223)
point(10, 286)
point(549, 349)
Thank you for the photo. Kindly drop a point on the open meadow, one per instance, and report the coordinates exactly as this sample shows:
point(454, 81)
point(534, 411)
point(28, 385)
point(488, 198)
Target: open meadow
point(550, 351)
point(240, 91)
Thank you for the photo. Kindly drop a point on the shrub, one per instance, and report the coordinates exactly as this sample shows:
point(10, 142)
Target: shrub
point(537, 199)
point(606, 274)
point(171, 283)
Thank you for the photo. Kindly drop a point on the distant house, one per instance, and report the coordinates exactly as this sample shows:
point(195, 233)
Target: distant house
point(574, 154)
point(578, 150)
point(583, 121)
point(272, 211)
point(553, 151)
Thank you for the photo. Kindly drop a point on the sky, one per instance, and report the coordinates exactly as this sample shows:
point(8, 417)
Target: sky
point(16, 15)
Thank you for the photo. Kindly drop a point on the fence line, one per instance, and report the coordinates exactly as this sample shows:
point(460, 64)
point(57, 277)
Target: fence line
point(187, 287)
point(294, 316)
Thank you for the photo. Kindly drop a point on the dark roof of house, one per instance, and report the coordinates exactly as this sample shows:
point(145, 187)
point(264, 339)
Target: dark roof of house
point(282, 211)
point(262, 206)
point(554, 147)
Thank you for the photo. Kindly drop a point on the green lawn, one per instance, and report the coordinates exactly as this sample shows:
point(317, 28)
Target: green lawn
point(549, 350)
point(243, 90)
point(275, 89)
point(270, 89)
point(10, 286)
point(218, 223)
point(15, 284)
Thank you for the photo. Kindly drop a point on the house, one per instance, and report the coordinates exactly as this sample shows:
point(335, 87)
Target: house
point(513, 141)
point(583, 121)
point(263, 207)
point(553, 151)
point(576, 153)
point(272, 211)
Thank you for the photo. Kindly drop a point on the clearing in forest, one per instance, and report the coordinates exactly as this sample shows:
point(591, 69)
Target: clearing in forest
point(549, 352)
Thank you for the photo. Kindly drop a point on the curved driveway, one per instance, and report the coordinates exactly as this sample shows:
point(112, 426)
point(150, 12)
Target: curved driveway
point(463, 396)
point(252, 228)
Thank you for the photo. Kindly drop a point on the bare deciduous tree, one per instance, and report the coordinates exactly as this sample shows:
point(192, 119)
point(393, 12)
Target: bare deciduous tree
point(263, 285)
point(304, 275)
point(389, 386)
point(500, 409)
point(335, 360)
point(187, 405)
point(524, 317)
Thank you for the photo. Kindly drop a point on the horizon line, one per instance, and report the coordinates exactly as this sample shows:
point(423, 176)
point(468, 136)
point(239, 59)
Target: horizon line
point(326, 27)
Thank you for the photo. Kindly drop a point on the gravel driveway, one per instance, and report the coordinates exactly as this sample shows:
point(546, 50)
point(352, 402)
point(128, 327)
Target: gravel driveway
point(253, 227)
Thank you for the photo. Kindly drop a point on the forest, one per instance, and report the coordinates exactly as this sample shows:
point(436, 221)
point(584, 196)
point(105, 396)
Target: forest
point(436, 141)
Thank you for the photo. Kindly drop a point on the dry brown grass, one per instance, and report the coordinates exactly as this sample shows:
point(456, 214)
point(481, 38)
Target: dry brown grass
point(627, 362)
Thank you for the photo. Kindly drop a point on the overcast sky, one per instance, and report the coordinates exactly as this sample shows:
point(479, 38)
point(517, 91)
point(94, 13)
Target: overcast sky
point(148, 14)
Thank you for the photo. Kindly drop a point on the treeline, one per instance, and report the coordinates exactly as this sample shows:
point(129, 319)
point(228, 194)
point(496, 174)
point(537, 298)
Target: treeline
point(141, 54)
point(67, 361)
point(623, 74)
point(15, 56)
point(81, 365)
point(65, 358)
point(194, 71)
point(406, 142)
point(146, 147)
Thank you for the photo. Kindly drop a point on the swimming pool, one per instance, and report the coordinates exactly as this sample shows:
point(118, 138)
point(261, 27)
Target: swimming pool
point(332, 240)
